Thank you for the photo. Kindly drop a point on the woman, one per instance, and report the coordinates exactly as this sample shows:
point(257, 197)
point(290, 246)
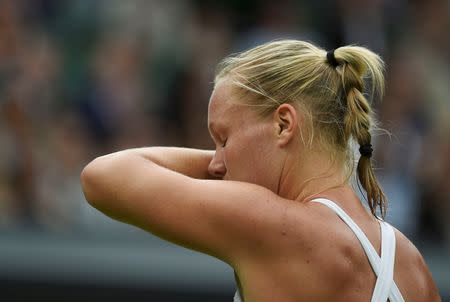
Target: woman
point(274, 200)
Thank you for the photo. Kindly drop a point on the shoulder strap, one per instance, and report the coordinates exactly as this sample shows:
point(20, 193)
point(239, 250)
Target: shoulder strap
point(375, 261)
point(386, 275)
point(237, 296)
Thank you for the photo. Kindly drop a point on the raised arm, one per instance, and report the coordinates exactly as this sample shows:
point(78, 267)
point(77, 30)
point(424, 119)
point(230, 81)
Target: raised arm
point(190, 162)
point(164, 191)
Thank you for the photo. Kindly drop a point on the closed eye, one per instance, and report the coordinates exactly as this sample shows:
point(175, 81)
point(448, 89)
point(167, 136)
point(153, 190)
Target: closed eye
point(224, 143)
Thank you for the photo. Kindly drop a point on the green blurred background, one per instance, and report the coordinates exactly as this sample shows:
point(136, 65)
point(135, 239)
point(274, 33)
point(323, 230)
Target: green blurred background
point(80, 79)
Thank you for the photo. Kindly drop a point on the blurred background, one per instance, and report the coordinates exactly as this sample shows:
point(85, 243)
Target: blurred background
point(79, 79)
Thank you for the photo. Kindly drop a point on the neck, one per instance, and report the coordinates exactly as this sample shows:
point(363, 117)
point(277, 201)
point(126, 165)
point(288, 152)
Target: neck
point(314, 174)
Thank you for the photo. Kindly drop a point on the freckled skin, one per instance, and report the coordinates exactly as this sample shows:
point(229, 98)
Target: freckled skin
point(246, 203)
point(319, 267)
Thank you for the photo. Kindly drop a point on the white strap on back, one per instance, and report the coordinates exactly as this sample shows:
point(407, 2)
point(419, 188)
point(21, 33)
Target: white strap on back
point(386, 275)
point(237, 296)
point(385, 286)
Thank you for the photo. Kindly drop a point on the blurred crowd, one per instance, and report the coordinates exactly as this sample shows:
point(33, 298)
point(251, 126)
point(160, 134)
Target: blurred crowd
point(83, 78)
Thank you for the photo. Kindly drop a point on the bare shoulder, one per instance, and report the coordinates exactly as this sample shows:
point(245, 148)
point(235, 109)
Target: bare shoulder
point(226, 219)
point(411, 272)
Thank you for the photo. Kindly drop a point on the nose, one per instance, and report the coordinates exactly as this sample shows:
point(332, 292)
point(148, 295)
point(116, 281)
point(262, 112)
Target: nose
point(217, 168)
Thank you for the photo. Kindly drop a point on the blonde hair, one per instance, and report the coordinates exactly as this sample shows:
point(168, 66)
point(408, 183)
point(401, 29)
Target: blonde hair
point(332, 97)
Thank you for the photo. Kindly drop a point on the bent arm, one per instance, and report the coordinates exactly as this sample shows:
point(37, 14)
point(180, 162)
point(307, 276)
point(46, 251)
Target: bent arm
point(190, 162)
point(109, 177)
point(163, 191)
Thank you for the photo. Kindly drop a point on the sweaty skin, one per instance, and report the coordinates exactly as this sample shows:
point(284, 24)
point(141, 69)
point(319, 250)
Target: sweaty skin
point(247, 203)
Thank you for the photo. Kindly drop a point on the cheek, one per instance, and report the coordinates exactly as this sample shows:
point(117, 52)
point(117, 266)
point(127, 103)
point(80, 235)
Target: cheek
point(249, 157)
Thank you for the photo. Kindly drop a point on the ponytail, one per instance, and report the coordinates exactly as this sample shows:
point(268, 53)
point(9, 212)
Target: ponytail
point(355, 64)
point(328, 87)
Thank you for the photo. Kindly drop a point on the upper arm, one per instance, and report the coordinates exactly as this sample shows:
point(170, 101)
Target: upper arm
point(416, 280)
point(217, 217)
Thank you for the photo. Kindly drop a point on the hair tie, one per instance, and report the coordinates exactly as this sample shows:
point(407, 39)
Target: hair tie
point(331, 59)
point(366, 150)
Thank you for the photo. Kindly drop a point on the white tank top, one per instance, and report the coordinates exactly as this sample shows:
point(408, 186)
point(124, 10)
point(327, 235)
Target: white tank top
point(385, 287)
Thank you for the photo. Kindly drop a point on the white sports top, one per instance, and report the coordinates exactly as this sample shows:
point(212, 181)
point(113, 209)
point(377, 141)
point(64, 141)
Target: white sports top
point(385, 287)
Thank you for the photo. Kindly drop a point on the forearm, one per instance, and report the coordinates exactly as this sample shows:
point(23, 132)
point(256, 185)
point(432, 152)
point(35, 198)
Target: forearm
point(190, 162)
point(117, 182)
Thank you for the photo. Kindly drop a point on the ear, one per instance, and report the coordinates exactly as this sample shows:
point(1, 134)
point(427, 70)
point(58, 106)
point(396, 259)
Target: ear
point(286, 123)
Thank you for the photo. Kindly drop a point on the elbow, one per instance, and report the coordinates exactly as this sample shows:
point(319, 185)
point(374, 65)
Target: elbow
point(86, 180)
point(90, 182)
point(100, 181)
point(106, 184)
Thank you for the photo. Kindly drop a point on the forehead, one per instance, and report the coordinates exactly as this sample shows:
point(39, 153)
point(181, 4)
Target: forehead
point(223, 107)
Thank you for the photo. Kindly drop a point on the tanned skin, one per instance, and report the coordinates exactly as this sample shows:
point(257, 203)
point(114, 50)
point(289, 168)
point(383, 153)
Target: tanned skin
point(247, 203)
